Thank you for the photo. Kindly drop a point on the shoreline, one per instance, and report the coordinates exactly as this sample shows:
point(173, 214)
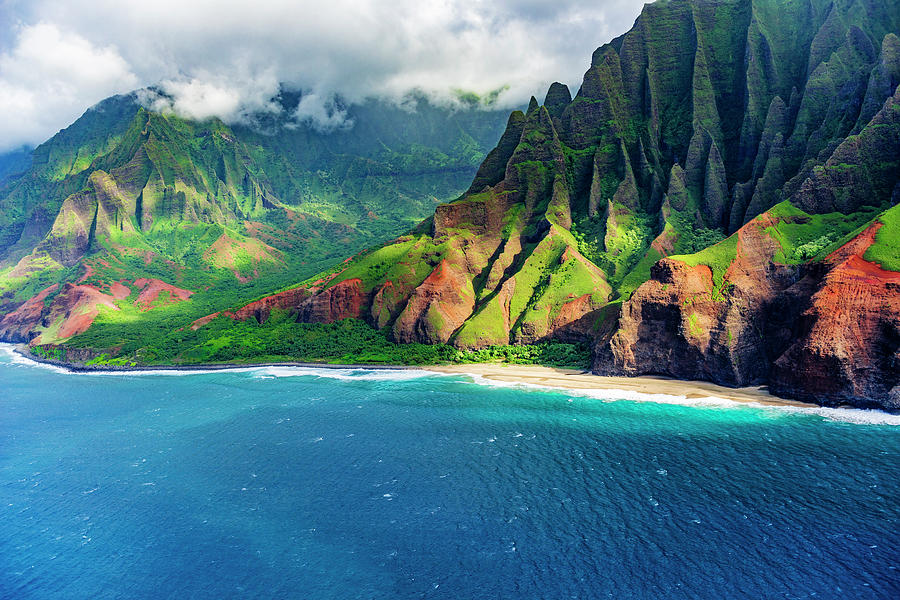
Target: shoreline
point(529, 375)
point(79, 368)
point(576, 380)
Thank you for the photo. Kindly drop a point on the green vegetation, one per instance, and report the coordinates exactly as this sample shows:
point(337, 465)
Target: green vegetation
point(639, 274)
point(616, 243)
point(50, 352)
point(104, 360)
point(690, 237)
point(282, 339)
point(718, 258)
point(886, 249)
point(804, 237)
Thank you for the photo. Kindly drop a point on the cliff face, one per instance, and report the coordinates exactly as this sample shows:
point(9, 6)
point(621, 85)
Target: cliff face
point(743, 139)
point(847, 343)
point(827, 332)
point(824, 330)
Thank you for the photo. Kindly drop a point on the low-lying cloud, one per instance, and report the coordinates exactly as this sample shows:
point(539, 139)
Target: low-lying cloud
point(214, 58)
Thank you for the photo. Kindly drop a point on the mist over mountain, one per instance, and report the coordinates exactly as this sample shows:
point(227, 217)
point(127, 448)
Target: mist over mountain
point(228, 60)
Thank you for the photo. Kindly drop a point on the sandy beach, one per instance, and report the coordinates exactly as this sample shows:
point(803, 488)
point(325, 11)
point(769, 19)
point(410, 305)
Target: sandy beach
point(579, 380)
point(569, 379)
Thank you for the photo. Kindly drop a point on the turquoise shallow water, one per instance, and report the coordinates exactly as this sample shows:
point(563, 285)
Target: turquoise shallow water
point(291, 483)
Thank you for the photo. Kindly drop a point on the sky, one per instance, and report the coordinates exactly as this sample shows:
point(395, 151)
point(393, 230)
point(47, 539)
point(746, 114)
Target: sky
point(227, 59)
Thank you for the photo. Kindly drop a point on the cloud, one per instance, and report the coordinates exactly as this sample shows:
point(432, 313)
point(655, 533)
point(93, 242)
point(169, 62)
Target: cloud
point(322, 113)
point(233, 97)
point(226, 58)
point(49, 77)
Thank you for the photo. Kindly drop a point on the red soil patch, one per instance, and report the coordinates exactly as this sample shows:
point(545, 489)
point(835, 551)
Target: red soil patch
point(862, 268)
point(854, 265)
point(573, 310)
point(151, 288)
point(203, 321)
point(119, 291)
point(260, 309)
point(80, 304)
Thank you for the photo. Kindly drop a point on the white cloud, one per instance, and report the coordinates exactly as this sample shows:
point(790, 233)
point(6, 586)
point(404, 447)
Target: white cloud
point(231, 98)
point(226, 58)
point(321, 112)
point(50, 77)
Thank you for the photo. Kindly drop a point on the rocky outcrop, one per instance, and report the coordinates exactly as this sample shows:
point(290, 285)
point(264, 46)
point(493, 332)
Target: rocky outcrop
point(18, 325)
point(825, 332)
point(684, 324)
point(847, 344)
point(437, 308)
point(344, 300)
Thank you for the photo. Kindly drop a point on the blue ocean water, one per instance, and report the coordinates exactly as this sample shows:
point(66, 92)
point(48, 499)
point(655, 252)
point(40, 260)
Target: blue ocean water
point(291, 483)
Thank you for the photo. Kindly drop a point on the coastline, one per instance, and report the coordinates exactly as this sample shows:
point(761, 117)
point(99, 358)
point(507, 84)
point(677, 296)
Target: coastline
point(530, 375)
point(576, 381)
point(78, 368)
point(572, 379)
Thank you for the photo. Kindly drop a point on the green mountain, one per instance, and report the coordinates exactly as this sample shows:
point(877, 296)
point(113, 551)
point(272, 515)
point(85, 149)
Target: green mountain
point(717, 201)
point(130, 209)
point(713, 203)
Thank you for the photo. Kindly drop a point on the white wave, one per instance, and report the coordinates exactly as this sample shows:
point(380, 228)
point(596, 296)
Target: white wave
point(260, 372)
point(610, 395)
point(145, 372)
point(844, 415)
point(856, 416)
point(17, 359)
point(348, 373)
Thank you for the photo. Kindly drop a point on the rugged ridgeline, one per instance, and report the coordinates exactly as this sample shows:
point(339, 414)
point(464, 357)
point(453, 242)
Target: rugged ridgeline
point(129, 210)
point(753, 142)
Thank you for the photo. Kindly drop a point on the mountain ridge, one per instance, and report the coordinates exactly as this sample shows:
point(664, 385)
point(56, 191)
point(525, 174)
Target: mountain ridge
point(671, 145)
point(128, 194)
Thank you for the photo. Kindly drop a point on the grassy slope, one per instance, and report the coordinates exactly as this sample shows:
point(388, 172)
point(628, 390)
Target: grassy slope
point(886, 249)
point(807, 237)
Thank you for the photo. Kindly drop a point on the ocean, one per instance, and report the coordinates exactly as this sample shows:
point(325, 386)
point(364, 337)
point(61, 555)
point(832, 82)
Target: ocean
point(315, 483)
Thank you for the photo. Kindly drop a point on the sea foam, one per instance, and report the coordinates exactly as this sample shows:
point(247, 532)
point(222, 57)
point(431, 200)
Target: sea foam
point(347, 374)
point(17, 359)
point(856, 416)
